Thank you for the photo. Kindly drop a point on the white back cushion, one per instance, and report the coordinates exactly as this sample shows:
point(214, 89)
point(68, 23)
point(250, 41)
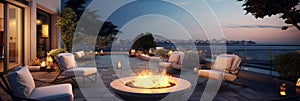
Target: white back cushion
point(67, 60)
point(223, 63)
point(174, 57)
point(77, 54)
point(21, 81)
point(235, 62)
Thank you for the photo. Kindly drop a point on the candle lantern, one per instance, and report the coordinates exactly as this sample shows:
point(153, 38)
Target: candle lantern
point(49, 63)
point(119, 65)
point(43, 66)
point(282, 90)
point(196, 69)
point(298, 83)
point(101, 52)
point(150, 51)
point(132, 51)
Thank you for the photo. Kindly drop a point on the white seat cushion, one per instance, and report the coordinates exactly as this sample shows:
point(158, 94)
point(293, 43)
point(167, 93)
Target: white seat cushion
point(158, 59)
point(217, 75)
point(212, 74)
point(80, 71)
point(144, 57)
point(165, 64)
point(176, 66)
point(62, 92)
point(21, 81)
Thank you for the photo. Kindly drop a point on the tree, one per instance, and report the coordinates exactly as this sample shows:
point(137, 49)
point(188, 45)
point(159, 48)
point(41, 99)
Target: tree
point(67, 22)
point(107, 35)
point(77, 6)
point(143, 42)
point(287, 8)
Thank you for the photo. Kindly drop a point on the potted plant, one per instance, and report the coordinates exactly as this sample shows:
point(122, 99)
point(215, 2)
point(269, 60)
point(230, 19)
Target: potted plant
point(34, 64)
point(287, 65)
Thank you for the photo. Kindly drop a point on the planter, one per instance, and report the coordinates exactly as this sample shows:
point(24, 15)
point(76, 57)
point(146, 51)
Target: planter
point(34, 68)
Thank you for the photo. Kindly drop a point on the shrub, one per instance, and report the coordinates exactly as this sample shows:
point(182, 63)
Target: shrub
point(160, 52)
point(288, 66)
point(35, 62)
point(54, 52)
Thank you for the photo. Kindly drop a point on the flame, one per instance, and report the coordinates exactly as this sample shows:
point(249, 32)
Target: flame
point(146, 79)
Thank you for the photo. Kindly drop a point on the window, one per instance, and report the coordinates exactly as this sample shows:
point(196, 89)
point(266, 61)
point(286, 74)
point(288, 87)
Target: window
point(43, 33)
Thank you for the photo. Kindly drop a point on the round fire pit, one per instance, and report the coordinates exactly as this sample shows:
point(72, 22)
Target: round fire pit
point(128, 92)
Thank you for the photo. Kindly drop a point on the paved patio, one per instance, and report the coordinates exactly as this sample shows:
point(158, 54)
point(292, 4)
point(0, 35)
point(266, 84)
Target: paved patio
point(261, 87)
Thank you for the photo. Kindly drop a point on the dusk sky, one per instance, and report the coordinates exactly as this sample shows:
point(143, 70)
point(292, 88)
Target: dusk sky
point(178, 22)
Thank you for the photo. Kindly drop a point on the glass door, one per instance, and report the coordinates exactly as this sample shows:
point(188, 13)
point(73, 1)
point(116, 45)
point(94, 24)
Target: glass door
point(15, 25)
point(1, 37)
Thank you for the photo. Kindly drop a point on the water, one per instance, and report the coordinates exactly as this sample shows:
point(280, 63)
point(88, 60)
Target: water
point(262, 55)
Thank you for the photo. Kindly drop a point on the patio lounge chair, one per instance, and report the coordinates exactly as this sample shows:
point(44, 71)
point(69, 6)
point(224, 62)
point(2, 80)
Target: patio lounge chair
point(175, 60)
point(226, 68)
point(21, 87)
point(68, 68)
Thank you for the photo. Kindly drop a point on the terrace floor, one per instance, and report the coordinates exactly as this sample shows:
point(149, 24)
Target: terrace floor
point(261, 87)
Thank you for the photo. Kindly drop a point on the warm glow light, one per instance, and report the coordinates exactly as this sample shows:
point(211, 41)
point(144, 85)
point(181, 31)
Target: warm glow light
point(49, 59)
point(298, 82)
point(45, 31)
point(170, 52)
point(101, 52)
point(146, 79)
point(119, 64)
point(150, 51)
point(282, 93)
point(38, 22)
point(196, 69)
point(43, 64)
point(132, 51)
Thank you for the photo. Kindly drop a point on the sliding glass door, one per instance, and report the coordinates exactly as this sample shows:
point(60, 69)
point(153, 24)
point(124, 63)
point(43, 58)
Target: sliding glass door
point(15, 35)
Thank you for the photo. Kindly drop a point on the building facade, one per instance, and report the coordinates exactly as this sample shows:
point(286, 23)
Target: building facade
point(27, 30)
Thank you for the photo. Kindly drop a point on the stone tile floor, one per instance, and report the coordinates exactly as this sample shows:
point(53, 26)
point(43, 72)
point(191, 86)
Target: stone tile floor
point(261, 87)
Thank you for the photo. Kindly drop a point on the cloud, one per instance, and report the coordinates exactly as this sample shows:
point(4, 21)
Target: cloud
point(183, 3)
point(252, 26)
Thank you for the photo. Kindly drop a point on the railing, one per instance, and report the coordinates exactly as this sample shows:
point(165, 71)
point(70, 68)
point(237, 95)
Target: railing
point(260, 58)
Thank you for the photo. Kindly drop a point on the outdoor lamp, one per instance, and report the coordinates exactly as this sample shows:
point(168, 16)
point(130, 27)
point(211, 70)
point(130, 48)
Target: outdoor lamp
point(119, 64)
point(45, 31)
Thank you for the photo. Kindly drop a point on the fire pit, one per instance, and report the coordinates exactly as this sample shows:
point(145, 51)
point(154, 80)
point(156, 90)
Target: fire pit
point(148, 86)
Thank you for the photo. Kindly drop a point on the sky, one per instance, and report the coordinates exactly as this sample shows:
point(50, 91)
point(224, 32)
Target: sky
point(193, 19)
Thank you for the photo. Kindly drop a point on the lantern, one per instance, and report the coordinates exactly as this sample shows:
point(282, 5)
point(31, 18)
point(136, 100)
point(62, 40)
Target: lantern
point(119, 64)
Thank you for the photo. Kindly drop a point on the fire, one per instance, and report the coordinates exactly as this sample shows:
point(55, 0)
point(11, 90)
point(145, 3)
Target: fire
point(146, 79)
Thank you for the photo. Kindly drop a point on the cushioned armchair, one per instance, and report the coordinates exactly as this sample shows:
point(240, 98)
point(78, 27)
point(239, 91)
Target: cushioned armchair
point(21, 87)
point(175, 60)
point(226, 68)
point(68, 68)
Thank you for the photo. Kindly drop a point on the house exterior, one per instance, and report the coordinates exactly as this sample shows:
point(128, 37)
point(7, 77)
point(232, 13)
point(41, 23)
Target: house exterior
point(27, 30)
